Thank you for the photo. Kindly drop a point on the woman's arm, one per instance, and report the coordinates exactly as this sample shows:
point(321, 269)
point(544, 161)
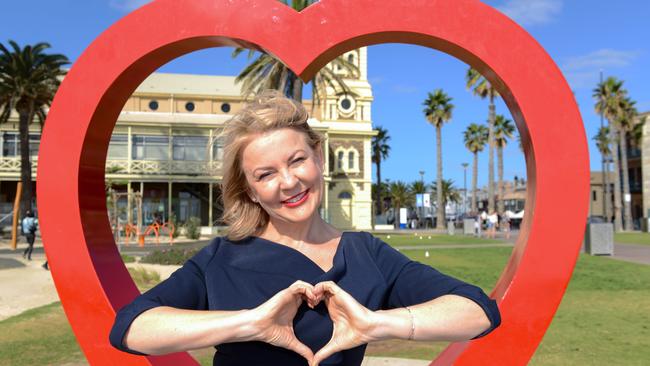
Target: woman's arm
point(165, 329)
point(446, 318)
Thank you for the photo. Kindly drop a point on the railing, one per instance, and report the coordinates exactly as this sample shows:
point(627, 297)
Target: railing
point(144, 167)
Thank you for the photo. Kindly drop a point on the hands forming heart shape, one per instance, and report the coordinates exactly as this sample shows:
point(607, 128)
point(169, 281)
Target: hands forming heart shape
point(353, 323)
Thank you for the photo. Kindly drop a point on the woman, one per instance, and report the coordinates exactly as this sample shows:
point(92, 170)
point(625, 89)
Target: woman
point(284, 287)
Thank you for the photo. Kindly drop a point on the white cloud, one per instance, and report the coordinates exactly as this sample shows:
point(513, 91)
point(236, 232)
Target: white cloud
point(584, 70)
point(127, 5)
point(531, 12)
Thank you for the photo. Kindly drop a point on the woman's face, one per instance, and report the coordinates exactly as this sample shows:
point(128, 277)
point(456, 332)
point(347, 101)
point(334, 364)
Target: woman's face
point(284, 174)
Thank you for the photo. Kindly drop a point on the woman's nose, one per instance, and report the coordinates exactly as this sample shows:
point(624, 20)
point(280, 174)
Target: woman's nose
point(289, 180)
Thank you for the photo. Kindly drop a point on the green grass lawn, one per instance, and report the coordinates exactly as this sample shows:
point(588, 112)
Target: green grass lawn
point(632, 238)
point(604, 318)
point(433, 239)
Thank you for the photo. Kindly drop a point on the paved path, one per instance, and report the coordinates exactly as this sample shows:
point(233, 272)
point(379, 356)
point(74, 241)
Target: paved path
point(635, 253)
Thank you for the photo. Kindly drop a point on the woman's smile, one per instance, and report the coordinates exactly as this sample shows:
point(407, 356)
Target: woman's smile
point(297, 200)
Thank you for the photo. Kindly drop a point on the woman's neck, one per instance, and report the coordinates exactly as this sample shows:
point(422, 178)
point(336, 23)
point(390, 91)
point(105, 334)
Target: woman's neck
point(315, 231)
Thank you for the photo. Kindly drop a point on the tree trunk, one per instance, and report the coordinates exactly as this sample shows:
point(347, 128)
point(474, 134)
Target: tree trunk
point(26, 115)
point(297, 88)
point(617, 178)
point(627, 210)
point(440, 215)
point(474, 182)
point(606, 195)
point(501, 202)
point(379, 204)
point(491, 118)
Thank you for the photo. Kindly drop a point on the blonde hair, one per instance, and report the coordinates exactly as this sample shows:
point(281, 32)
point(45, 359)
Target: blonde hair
point(268, 111)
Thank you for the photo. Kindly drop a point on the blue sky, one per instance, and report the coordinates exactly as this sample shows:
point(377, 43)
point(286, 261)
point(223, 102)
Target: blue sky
point(582, 36)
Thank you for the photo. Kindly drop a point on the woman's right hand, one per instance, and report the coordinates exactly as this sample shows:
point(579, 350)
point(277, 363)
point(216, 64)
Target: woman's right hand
point(274, 324)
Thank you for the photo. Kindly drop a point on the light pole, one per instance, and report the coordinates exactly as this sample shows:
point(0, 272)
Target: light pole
point(465, 165)
point(422, 212)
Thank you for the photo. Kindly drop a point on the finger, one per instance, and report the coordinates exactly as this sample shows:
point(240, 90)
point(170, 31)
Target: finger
point(329, 349)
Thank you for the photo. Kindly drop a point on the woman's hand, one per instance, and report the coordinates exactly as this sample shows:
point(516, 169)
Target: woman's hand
point(274, 322)
point(353, 323)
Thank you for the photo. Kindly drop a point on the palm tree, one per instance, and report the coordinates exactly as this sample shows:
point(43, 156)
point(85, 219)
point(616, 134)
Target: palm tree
point(437, 110)
point(380, 151)
point(609, 95)
point(417, 187)
point(475, 138)
point(503, 130)
point(602, 143)
point(266, 72)
point(483, 89)
point(625, 122)
point(29, 78)
point(449, 193)
point(400, 196)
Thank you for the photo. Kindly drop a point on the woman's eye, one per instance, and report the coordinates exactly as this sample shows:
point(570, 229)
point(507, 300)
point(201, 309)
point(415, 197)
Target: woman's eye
point(298, 160)
point(265, 175)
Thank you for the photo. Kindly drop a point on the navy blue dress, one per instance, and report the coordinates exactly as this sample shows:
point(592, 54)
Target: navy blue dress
point(239, 275)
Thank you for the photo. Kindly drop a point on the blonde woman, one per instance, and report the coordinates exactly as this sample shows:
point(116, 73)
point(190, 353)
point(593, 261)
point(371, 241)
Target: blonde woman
point(284, 287)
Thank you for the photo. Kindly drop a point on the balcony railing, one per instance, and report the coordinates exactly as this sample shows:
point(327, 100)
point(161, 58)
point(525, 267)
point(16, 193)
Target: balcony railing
point(139, 167)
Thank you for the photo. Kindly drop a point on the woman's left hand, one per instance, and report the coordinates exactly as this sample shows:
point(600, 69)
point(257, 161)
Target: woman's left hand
point(353, 323)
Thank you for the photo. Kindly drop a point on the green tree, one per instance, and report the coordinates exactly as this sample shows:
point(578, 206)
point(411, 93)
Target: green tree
point(400, 196)
point(609, 95)
point(602, 143)
point(437, 110)
point(503, 131)
point(475, 138)
point(449, 193)
point(482, 88)
point(29, 78)
point(626, 120)
point(380, 151)
point(417, 187)
point(267, 72)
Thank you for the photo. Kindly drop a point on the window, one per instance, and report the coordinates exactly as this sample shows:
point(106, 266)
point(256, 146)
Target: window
point(593, 194)
point(351, 58)
point(339, 162)
point(153, 105)
point(150, 147)
point(351, 159)
point(346, 104)
point(118, 148)
point(189, 106)
point(194, 148)
point(11, 144)
point(225, 107)
point(345, 195)
point(217, 149)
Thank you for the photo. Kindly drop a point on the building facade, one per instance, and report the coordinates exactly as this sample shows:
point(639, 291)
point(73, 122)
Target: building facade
point(165, 158)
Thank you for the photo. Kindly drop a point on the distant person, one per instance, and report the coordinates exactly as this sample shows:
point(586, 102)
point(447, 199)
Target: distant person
point(492, 221)
point(29, 226)
point(505, 225)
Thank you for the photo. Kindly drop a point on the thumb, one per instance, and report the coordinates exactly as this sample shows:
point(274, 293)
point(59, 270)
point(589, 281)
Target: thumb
point(301, 349)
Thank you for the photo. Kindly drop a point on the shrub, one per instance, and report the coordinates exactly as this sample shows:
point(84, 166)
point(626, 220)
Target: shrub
point(193, 228)
point(144, 278)
point(177, 228)
point(169, 256)
point(127, 258)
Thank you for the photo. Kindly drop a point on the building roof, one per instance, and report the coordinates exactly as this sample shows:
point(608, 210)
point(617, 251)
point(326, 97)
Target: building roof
point(190, 84)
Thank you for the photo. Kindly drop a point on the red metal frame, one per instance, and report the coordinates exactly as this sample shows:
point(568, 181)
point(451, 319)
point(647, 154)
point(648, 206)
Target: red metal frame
point(89, 275)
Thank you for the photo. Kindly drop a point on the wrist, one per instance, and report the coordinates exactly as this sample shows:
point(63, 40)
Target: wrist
point(392, 324)
point(245, 322)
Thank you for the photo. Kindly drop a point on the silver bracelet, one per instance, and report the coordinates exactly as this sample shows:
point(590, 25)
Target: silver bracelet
point(412, 324)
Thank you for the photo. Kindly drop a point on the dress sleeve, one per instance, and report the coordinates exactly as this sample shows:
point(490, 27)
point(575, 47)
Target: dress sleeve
point(184, 289)
point(410, 283)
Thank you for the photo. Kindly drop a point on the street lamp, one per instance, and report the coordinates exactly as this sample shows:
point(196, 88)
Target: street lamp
point(465, 165)
point(422, 212)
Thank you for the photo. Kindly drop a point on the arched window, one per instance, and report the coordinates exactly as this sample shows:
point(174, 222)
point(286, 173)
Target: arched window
point(351, 58)
point(351, 160)
point(345, 195)
point(340, 160)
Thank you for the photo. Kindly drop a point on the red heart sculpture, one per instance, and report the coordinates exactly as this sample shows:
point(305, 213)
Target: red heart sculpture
point(89, 275)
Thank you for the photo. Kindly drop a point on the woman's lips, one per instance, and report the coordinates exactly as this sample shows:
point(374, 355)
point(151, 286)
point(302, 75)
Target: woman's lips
point(303, 197)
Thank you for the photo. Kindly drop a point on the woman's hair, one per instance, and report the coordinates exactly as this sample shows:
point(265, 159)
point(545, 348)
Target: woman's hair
point(268, 111)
